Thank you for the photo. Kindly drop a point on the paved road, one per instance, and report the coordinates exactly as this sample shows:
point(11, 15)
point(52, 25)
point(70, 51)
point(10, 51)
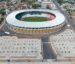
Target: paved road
point(6, 29)
point(47, 49)
point(69, 19)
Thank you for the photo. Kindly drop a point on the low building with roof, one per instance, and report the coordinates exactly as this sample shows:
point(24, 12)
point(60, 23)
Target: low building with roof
point(13, 48)
point(63, 45)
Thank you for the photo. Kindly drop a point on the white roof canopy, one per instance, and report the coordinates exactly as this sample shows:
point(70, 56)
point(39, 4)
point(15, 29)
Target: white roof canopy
point(11, 19)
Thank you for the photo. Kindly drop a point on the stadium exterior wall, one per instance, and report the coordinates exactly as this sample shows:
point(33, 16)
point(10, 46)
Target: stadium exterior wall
point(36, 31)
point(36, 28)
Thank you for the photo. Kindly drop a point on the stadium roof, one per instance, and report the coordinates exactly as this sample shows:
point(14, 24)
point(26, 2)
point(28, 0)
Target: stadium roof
point(11, 19)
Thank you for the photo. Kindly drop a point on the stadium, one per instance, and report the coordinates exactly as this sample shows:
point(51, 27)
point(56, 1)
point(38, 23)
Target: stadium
point(35, 21)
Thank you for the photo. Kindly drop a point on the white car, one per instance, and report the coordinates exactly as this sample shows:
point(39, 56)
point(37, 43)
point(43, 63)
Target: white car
point(7, 32)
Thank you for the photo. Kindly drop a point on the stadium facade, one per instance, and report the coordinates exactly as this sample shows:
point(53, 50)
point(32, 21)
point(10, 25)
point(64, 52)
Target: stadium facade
point(55, 22)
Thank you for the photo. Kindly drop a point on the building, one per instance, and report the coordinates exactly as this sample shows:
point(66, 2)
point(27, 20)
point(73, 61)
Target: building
point(16, 1)
point(64, 45)
point(55, 21)
point(70, 9)
point(38, 62)
point(68, 6)
point(13, 48)
point(47, 4)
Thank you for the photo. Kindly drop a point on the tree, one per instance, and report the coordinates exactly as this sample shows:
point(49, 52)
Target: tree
point(60, 1)
point(2, 11)
point(29, 2)
point(36, 6)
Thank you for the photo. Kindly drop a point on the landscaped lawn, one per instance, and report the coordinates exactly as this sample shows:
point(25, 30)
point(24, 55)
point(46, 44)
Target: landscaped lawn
point(35, 19)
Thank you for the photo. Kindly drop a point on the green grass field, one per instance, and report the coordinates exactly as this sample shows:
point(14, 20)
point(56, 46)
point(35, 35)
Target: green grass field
point(35, 19)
